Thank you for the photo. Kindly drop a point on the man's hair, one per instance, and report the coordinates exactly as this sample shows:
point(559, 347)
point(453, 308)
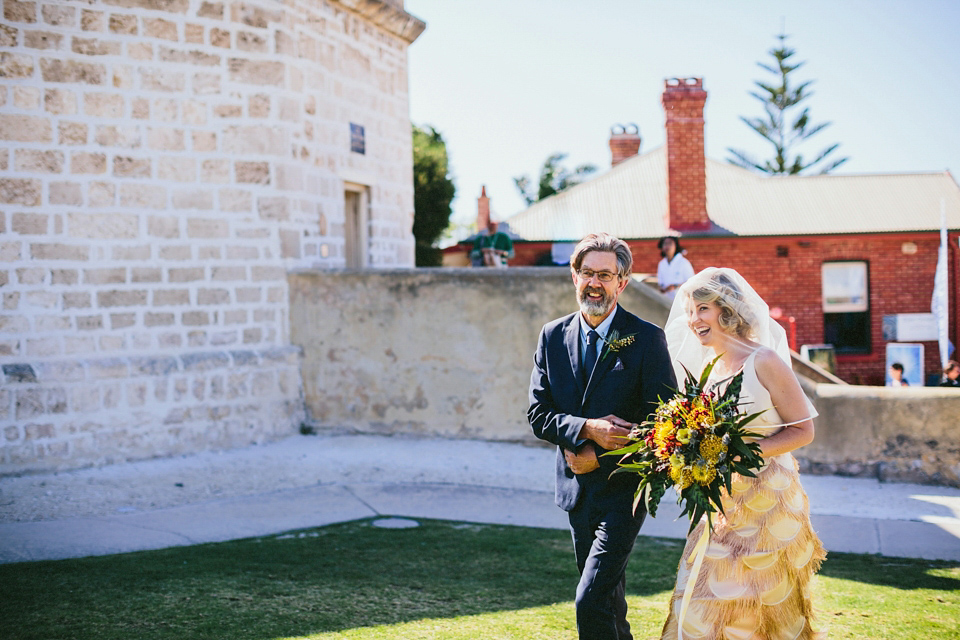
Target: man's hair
point(606, 243)
point(897, 366)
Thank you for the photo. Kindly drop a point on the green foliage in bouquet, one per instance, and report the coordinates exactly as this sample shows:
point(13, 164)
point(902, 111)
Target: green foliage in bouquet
point(695, 442)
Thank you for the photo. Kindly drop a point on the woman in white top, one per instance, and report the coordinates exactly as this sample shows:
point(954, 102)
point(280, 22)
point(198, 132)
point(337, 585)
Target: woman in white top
point(674, 269)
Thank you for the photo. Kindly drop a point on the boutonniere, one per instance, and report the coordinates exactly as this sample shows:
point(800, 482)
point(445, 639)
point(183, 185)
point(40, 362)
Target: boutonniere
point(615, 342)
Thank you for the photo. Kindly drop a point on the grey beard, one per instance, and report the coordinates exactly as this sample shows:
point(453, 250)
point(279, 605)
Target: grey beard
point(594, 308)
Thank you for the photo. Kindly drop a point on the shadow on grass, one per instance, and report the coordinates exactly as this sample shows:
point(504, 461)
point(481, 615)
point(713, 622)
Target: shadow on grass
point(331, 579)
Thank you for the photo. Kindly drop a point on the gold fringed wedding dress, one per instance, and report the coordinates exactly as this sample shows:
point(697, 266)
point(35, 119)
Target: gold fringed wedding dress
point(750, 578)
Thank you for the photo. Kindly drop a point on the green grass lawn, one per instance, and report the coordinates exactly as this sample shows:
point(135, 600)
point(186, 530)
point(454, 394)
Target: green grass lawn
point(439, 580)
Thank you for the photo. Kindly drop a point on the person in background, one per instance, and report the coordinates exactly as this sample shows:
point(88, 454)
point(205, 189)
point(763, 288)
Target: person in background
point(492, 249)
point(951, 374)
point(674, 269)
point(896, 376)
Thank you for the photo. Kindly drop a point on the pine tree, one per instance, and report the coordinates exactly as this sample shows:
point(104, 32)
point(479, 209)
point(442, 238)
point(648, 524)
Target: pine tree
point(782, 127)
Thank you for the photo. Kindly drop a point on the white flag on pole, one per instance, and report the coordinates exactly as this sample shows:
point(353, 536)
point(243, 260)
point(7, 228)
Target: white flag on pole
point(939, 303)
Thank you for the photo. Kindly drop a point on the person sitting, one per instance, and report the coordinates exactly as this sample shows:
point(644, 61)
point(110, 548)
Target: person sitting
point(492, 249)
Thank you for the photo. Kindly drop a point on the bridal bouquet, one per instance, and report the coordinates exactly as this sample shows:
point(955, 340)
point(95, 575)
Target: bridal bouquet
point(695, 441)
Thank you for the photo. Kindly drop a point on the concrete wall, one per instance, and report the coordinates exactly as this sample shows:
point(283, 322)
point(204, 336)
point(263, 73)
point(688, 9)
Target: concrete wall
point(445, 352)
point(449, 352)
point(163, 165)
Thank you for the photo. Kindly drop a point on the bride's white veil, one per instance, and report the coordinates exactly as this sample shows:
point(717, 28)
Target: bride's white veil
point(729, 287)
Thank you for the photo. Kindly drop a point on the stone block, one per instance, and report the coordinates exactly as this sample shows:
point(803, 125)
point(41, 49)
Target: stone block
point(259, 72)
point(20, 191)
point(121, 298)
point(103, 105)
point(160, 28)
point(84, 162)
point(58, 251)
point(76, 300)
point(220, 38)
point(177, 56)
point(95, 47)
point(50, 324)
point(165, 139)
point(60, 102)
point(123, 24)
point(89, 323)
point(92, 20)
point(208, 253)
point(8, 36)
point(194, 112)
point(17, 11)
point(60, 16)
point(193, 33)
point(35, 161)
point(31, 275)
point(123, 76)
point(41, 299)
point(113, 136)
point(146, 274)
point(235, 200)
point(195, 318)
point(163, 226)
point(165, 110)
point(140, 51)
point(158, 319)
point(30, 224)
point(19, 373)
point(64, 276)
point(43, 347)
point(85, 398)
point(247, 41)
point(103, 225)
point(176, 252)
point(207, 228)
point(129, 167)
point(204, 141)
point(254, 16)
point(42, 40)
point(242, 253)
point(228, 274)
point(235, 316)
point(26, 98)
point(15, 65)
point(73, 133)
point(147, 196)
point(137, 252)
point(206, 83)
point(262, 140)
point(198, 362)
point(213, 296)
point(162, 80)
point(215, 171)
point(57, 70)
point(259, 273)
point(172, 6)
point(249, 295)
point(9, 252)
point(185, 274)
point(177, 168)
point(154, 365)
point(122, 320)
point(73, 344)
point(199, 199)
point(210, 10)
point(171, 297)
point(228, 111)
point(252, 172)
point(17, 128)
point(107, 275)
point(66, 193)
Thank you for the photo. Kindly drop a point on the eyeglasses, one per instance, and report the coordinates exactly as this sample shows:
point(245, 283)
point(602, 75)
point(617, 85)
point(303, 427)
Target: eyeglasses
point(602, 276)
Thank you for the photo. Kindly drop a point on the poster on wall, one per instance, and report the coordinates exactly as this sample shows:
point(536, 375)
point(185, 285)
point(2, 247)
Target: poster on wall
point(910, 357)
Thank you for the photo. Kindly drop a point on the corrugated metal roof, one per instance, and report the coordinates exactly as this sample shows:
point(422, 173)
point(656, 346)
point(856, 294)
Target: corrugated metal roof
point(630, 201)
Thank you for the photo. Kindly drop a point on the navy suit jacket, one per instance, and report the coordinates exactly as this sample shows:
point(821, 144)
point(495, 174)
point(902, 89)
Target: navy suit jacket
point(626, 383)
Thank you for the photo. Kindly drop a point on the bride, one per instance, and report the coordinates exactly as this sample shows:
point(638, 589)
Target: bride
point(749, 578)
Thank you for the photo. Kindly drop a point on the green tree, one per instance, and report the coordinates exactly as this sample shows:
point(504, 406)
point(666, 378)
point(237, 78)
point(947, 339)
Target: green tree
point(554, 178)
point(433, 191)
point(786, 123)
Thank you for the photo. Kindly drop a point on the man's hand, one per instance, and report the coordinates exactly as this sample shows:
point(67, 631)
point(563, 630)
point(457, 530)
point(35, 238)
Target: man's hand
point(583, 462)
point(610, 432)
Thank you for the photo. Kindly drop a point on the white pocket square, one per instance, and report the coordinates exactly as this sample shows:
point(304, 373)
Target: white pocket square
point(618, 366)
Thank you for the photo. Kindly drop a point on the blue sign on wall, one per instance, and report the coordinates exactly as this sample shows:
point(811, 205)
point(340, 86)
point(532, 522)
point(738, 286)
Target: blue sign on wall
point(357, 139)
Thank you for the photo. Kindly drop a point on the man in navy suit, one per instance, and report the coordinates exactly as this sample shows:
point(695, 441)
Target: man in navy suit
point(596, 373)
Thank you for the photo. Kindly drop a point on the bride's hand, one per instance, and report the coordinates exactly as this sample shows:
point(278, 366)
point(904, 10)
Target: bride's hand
point(583, 462)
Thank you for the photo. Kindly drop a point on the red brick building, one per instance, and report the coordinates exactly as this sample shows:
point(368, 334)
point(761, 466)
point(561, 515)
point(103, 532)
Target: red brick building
point(795, 238)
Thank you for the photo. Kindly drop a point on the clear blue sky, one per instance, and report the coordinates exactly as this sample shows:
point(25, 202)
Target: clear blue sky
point(509, 82)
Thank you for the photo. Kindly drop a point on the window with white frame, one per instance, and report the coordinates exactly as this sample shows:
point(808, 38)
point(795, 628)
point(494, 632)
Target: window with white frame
point(845, 296)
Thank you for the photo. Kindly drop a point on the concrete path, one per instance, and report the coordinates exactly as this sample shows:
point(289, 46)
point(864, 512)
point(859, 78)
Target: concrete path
point(311, 481)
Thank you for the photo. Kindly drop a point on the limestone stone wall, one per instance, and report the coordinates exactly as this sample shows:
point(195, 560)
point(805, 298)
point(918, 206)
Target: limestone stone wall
point(449, 351)
point(164, 164)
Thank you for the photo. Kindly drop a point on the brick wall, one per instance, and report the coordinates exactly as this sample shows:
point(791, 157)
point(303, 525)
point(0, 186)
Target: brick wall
point(899, 282)
point(164, 164)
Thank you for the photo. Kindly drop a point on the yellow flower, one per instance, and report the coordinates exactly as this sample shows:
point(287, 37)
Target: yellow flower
point(711, 447)
point(676, 461)
point(681, 477)
point(703, 472)
point(683, 435)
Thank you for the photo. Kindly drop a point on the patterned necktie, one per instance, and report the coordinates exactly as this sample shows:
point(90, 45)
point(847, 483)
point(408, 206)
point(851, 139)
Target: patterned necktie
point(590, 355)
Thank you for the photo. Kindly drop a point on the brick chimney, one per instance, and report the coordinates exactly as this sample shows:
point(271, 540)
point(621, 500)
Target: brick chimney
point(683, 100)
point(483, 210)
point(624, 142)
